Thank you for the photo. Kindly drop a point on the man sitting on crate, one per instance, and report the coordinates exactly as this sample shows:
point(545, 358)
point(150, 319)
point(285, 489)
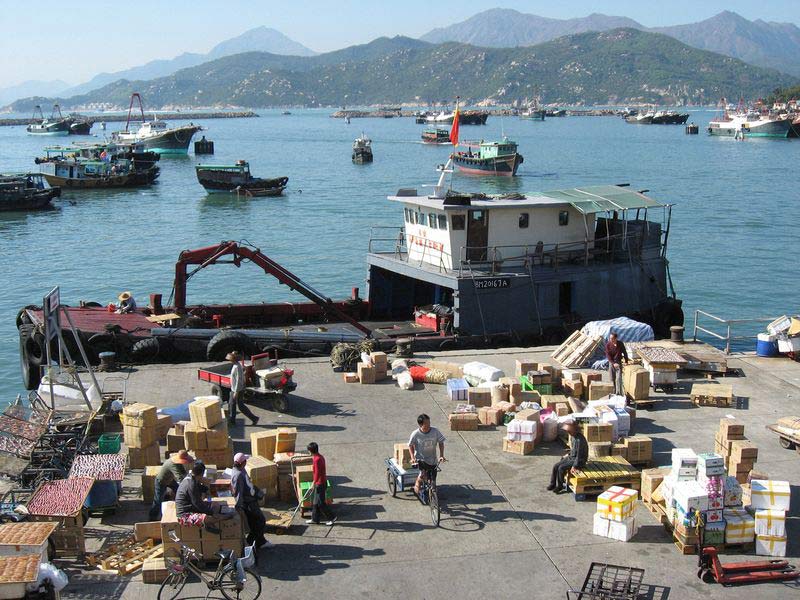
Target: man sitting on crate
point(192, 509)
point(575, 458)
point(422, 444)
point(247, 496)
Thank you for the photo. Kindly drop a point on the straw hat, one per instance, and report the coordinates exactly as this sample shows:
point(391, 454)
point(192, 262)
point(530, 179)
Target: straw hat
point(182, 457)
point(124, 296)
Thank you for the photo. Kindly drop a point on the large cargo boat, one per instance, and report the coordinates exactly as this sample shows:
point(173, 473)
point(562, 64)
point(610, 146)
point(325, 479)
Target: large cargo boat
point(154, 135)
point(744, 125)
point(493, 270)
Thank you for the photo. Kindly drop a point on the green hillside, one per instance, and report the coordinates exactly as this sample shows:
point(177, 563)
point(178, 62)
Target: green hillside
point(619, 66)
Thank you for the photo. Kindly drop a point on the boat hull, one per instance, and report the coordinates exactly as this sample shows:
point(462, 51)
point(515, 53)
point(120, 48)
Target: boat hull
point(361, 157)
point(36, 201)
point(504, 166)
point(773, 129)
point(255, 187)
point(135, 179)
point(173, 141)
point(82, 128)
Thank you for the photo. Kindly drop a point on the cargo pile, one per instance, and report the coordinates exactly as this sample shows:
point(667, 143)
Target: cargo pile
point(271, 454)
point(230, 536)
point(140, 427)
point(206, 432)
point(782, 337)
point(614, 517)
point(372, 368)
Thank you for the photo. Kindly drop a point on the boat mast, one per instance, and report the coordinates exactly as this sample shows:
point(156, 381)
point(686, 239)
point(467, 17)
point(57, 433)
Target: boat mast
point(134, 96)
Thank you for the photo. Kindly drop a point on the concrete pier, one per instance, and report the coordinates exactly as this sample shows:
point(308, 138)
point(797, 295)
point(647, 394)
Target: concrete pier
point(502, 534)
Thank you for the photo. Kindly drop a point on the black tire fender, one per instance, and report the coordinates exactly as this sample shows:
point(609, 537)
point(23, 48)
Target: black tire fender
point(146, 350)
point(31, 373)
point(227, 341)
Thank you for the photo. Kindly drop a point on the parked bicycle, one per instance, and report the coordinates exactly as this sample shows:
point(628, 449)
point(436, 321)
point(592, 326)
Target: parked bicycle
point(234, 577)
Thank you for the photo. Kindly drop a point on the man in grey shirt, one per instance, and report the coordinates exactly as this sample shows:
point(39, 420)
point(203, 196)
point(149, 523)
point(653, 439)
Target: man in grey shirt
point(237, 390)
point(422, 444)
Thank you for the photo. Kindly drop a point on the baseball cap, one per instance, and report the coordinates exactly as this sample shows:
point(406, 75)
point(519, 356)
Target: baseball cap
point(240, 457)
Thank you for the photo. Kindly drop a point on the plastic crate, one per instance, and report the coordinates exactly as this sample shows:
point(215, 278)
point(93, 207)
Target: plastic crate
point(109, 443)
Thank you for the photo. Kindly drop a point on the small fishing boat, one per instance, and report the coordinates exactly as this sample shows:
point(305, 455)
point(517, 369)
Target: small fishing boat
point(492, 158)
point(25, 192)
point(465, 117)
point(141, 159)
point(79, 125)
point(742, 125)
point(155, 135)
point(533, 113)
point(436, 136)
point(362, 150)
point(236, 179)
point(84, 174)
point(55, 125)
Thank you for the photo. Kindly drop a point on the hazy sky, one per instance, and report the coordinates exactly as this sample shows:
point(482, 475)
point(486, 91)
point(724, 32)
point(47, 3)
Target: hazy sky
point(44, 39)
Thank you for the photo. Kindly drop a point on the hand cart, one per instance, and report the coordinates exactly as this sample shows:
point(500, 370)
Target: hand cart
point(788, 438)
point(398, 478)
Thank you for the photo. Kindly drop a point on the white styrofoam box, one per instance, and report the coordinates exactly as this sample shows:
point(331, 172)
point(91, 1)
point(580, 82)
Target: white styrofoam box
point(770, 545)
point(713, 515)
point(690, 495)
point(767, 337)
point(617, 502)
point(483, 371)
point(610, 417)
point(770, 522)
point(683, 458)
point(788, 344)
point(667, 487)
point(739, 526)
point(780, 325)
point(770, 494)
point(622, 530)
point(624, 420)
point(600, 525)
point(733, 492)
point(685, 474)
point(457, 389)
point(521, 431)
point(707, 460)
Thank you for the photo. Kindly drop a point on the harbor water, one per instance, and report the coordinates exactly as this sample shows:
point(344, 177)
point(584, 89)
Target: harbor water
point(731, 247)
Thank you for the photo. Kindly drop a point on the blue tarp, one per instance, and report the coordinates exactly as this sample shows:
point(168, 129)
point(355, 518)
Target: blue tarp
point(627, 330)
point(178, 413)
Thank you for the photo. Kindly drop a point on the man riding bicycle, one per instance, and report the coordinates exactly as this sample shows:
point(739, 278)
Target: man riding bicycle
point(422, 444)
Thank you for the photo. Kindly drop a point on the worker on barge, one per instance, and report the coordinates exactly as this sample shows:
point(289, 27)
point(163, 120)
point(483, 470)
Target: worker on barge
point(126, 303)
point(237, 390)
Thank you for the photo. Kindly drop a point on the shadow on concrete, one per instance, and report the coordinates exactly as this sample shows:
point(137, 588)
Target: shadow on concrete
point(83, 586)
point(309, 560)
point(651, 534)
point(459, 522)
point(649, 426)
point(300, 406)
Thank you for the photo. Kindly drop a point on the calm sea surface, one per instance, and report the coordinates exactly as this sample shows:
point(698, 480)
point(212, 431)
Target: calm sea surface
point(731, 247)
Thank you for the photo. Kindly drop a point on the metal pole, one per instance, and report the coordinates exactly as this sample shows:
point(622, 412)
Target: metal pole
point(728, 341)
point(696, 314)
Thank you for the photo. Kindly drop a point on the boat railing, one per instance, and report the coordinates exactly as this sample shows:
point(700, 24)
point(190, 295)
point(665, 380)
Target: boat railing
point(725, 332)
point(614, 247)
point(388, 239)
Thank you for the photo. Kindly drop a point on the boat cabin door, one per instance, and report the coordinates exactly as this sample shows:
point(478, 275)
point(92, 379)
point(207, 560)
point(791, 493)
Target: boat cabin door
point(477, 234)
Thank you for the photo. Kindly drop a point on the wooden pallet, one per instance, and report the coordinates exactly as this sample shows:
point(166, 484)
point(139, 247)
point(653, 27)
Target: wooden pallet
point(97, 558)
point(131, 564)
point(601, 473)
point(712, 394)
point(646, 404)
point(576, 350)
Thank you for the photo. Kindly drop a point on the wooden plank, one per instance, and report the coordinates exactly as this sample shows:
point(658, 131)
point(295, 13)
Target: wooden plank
point(135, 563)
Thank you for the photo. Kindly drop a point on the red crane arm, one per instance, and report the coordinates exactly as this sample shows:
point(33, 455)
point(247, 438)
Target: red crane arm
point(210, 255)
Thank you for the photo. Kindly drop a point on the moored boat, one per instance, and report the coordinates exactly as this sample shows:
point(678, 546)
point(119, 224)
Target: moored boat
point(79, 125)
point(362, 149)
point(465, 117)
point(155, 135)
point(86, 174)
point(533, 113)
point(491, 158)
point(436, 135)
point(55, 125)
point(744, 125)
point(25, 192)
point(237, 179)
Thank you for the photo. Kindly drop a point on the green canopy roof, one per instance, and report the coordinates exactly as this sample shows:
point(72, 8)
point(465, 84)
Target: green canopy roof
point(603, 198)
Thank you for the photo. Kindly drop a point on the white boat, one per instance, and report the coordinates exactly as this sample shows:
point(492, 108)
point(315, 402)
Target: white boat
point(751, 124)
point(155, 135)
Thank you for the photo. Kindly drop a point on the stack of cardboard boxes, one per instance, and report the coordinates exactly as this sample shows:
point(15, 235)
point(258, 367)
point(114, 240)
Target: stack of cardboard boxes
point(230, 537)
point(372, 371)
point(769, 502)
point(739, 454)
point(140, 427)
point(636, 382)
point(206, 433)
point(614, 517)
point(274, 450)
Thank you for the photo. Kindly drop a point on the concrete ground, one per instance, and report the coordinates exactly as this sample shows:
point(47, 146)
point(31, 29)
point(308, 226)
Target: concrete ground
point(502, 534)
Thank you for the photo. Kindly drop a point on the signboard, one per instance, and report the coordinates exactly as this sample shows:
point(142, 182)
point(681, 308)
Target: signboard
point(52, 321)
point(493, 283)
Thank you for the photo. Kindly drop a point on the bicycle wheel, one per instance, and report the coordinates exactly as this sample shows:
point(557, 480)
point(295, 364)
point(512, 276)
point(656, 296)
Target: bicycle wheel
point(173, 586)
point(433, 503)
point(227, 584)
point(392, 481)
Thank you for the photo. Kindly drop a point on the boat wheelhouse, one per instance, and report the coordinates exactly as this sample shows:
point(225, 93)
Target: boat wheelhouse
point(490, 158)
point(526, 266)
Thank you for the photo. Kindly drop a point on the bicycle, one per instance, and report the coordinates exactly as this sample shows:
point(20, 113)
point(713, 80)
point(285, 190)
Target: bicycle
point(429, 494)
point(231, 577)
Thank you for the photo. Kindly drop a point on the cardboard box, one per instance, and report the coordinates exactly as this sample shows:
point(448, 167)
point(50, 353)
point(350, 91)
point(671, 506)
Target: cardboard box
point(770, 494)
point(499, 393)
point(528, 414)
point(525, 396)
point(139, 415)
point(463, 421)
point(600, 389)
point(194, 437)
point(617, 503)
point(523, 366)
point(262, 443)
point(489, 415)
point(286, 491)
point(217, 437)
point(770, 522)
point(366, 373)
point(514, 447)
point(562, 409)
point(139, 437)
point(599, 449)
point(731, 429)
point(402, 454)
point(640, 448)
point(154, 570)
point(597, 432)
point(740, 468)
point(232, 529)
point(588, 377)
point(149, 529)
point(223, 459)
point(175, 441)
point(206, 411)
point(771, 545)
point(572, 388)
point(350, 377)
point(690, 495)
point(743, 449)
point(651, 479)
point(286, 439)
point(479, 396)
point(619, 450)
point(139, 458)
point(148, 483)
point(379, 359)
point(636, 382)
point(264, 474)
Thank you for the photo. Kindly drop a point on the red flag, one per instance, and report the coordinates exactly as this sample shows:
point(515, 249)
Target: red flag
point(454, 130)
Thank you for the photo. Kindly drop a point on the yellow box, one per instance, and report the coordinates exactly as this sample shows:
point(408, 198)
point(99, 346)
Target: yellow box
point(217, 437)
point(617, 503)
point(139, 437)
point(194, 436)
point(262, 443)
point(139, 415)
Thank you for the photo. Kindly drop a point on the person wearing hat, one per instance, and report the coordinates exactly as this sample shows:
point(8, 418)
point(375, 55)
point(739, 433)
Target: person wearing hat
point(169, 476)
point(237, 390)
point(126, 303)
point(247, 496)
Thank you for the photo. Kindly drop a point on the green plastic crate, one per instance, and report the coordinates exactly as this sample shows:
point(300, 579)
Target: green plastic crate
point(542, 388)
point(109, 443)
point(304, 485)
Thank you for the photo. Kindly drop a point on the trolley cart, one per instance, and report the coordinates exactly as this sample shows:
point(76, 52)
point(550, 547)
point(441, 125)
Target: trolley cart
point(398, 478)
point(788, 438)
point(304, 490)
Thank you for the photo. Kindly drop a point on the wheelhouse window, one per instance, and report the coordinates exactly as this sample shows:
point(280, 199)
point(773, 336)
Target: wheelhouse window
point(432, 220)
point(563, 217)
point(458, 222)
point(524, 220)
point(407, 215)
point(443, 222)
point(422, 219)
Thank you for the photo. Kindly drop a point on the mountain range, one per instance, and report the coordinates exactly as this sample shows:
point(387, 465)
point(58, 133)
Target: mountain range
point(765, 44)
point(32, 88)
point(619, 66)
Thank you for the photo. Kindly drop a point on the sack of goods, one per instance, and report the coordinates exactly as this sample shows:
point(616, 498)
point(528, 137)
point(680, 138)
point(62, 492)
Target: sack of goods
point(482, 372)
point(614, 517)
